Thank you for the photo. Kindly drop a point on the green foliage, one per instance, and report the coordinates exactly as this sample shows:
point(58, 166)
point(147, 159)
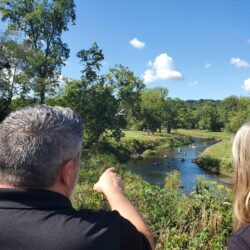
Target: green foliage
point(98, 107)
point(172, 181)
point(209, 163)
point(127, 88)
point(153, 102)
point(218, 157)
point(42, 23)
point(237, 119)
point(170, 115)
point(148, 152)
point(91, 60)
point(13, 80)
point(94, 100)
point(234, 111)
point(209, 117)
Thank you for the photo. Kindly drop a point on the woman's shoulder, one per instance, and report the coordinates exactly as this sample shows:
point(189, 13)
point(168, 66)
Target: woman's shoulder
point(240, 239)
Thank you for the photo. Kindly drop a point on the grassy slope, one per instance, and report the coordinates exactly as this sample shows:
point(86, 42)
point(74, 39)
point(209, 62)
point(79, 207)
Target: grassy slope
point(218, 154)
point(143, 136)
point(161, 140)
point(204, 134)
point(137, 144)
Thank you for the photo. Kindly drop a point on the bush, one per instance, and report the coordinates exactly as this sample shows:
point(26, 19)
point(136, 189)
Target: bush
point(148, 152)
point(209, 163)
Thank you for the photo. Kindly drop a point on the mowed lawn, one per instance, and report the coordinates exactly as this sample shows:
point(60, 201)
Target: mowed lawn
point(143, 136)
point(204, 134)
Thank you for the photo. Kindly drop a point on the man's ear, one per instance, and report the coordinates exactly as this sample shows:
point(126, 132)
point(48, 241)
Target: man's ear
point(67, 173)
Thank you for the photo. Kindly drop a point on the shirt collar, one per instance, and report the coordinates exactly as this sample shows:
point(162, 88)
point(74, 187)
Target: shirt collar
point(32, 199)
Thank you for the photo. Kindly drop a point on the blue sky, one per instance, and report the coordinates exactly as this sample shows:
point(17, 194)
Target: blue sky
point(197, 49)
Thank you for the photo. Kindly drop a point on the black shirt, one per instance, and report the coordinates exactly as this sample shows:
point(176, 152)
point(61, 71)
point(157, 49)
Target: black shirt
point(240, 240)
point(41, 219)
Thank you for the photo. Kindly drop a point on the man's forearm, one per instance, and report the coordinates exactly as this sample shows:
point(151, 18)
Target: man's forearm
point(111, 185)
point(118, 201)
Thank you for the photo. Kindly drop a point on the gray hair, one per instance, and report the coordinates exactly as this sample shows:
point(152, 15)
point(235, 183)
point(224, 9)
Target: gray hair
point(35, 142)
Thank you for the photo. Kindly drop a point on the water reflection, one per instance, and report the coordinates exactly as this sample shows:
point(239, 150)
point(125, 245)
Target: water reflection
point(155, 168)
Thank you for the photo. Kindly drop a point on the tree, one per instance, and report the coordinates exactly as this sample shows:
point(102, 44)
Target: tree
point(91, 60)
point(236, 120)
point(13, 80)
point(153, 102)
point(127, 88)
point(94, 99)
point(228, 105)
point(239, 114)
point(42, 23)
point(209, 117)
point(163, 92)
point(170, 114)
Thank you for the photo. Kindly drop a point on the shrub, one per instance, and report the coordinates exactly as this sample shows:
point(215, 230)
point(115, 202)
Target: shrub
point(148, 152)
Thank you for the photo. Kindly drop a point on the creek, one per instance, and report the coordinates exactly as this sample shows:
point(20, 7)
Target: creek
point(155, 168)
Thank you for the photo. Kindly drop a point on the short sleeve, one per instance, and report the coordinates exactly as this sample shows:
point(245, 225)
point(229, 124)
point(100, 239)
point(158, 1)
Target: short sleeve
point(236, 243)
point(131, 238)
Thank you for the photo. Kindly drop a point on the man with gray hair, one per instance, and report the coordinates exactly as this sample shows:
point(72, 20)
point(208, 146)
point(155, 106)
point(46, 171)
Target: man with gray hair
point(40, 150)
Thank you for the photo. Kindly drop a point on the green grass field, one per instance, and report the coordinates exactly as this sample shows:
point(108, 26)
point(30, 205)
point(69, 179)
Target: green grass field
point(143, 136)
point(156, 141)
point(204, 133)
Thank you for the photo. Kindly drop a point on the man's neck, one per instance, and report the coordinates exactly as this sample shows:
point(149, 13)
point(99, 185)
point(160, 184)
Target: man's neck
point(55, 188)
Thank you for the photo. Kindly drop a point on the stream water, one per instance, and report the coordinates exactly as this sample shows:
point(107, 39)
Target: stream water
point(155, 168)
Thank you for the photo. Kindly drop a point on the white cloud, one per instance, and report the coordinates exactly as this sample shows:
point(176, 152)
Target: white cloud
point(67, 63)
point(149, 63)
point(207, 66)
point(246, 85)
point(192, 84)
point(239, 63)
point(161, 68)
point(137, 43)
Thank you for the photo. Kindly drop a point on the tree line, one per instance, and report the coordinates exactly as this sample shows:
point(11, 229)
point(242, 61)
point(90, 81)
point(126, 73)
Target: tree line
point(31, 56)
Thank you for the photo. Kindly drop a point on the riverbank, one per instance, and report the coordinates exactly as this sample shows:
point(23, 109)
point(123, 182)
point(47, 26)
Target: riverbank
point(218, 157)
point(138, 144)
point(156, 141)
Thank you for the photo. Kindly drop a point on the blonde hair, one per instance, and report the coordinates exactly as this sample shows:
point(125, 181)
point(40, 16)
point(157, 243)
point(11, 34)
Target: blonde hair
point(241, 155)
